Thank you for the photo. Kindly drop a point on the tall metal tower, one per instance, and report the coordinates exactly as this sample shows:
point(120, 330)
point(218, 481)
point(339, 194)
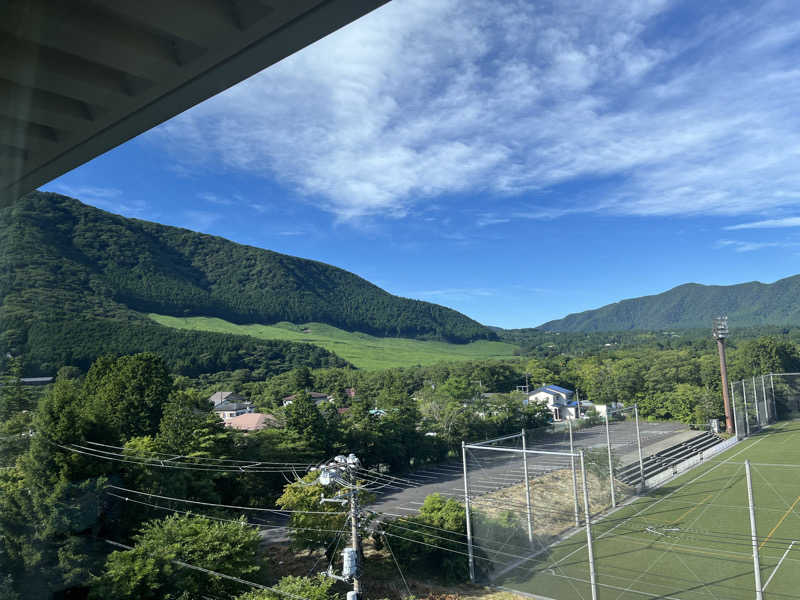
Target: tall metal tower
point(720, 333)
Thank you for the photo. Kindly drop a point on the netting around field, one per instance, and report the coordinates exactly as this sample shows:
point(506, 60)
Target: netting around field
point(691, 539)
point(510, 520)
point(756, 400)
point(620, 455)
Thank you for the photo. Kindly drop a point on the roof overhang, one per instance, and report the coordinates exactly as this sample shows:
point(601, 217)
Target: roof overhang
point(79, 77)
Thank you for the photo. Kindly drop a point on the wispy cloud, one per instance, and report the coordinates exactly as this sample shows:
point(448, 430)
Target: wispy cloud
point(768, 224)
point(214, 199)
point(107, 198)
point(452, 294)
point(745, 246)
point(513, 98)
point(199, 220)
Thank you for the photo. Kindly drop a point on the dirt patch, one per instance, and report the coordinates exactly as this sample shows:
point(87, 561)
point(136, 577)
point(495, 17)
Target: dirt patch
point(553, 504)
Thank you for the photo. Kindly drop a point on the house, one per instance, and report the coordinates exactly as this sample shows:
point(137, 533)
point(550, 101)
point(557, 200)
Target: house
point(252, 421)
point(318, 398)
point(559, 400)
point(228, 405)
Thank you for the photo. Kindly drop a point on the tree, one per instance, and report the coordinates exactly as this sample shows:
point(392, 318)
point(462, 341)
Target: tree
point(303, 417)
point(767, 354)
point(317, 587)
point(415, 543)
point(150, 571)
point(14, 397)
point(127, 394)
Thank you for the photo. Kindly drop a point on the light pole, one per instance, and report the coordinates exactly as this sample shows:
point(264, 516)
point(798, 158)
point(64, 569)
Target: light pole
point(720, 333)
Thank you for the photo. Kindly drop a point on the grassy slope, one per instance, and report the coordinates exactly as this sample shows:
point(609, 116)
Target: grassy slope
point(364, 351)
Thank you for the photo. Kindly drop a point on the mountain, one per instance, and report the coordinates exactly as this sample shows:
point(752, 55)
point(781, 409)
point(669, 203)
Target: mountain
point(75, 281)
point(693, 305)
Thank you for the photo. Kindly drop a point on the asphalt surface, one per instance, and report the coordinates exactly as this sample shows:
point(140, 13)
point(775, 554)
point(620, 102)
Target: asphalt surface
point(403, 495)
point(489, 470)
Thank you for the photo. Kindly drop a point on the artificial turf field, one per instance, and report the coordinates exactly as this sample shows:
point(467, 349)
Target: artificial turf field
point(690, 539)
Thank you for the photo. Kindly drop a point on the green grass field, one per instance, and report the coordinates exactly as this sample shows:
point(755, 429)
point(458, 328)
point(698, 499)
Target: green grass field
point(364, 351)
point(690, 539)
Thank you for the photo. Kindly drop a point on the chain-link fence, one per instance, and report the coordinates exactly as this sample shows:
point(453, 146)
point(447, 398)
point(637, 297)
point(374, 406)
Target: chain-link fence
point(754, 401)
point(520, 500)
point(524, 491)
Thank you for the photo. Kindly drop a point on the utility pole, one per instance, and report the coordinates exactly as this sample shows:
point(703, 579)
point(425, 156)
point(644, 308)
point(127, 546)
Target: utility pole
point(720, 333)
point(341, 470)
point(356, 540)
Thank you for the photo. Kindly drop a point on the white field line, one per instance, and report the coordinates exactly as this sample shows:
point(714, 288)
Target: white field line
point(778, 566)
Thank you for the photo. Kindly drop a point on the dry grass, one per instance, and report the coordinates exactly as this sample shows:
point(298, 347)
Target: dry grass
point(381, 578)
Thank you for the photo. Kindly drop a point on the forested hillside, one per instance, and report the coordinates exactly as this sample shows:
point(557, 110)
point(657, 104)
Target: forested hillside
point(74, 280)
point(693, 306)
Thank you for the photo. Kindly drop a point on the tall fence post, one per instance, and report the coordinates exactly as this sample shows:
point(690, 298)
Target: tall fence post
point(592, 575)
point(772, 387)
point(746, 416)
point(610, 464)
point(527, 488)
point(755, 401)
point(733, 407)
point(574, 476)
point(756, 567)
point(764, 393)
point(639, 444)
point(469, 522)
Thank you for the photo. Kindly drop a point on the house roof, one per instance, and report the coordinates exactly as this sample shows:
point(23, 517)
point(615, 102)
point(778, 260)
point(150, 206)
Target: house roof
point(251, 421)
point(314, 396)
point(36, 380)
point(228, 406)
point(219, 397)
point(553, 389)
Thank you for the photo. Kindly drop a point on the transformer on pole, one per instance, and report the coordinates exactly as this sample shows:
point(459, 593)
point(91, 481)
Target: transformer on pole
point(720, 333)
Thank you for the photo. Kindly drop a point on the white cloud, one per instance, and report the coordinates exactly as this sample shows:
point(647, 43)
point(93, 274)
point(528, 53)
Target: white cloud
point(744, 246)
point(214, 199)
point(199, 220)
point(768, 224)
point(106, 198)
point(511, 98)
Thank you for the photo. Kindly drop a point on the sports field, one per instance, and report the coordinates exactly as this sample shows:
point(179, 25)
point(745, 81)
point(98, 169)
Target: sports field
point(690, 539)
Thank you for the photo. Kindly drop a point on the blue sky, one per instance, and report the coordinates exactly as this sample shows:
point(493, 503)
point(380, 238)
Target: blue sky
point(514, 161)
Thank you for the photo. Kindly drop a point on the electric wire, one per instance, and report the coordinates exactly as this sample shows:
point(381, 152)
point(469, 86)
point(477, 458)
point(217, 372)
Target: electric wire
point(230, 506)
point(164, 464)
point(218, 574)
point(188, 512)
point(397, 564)
point(225, 460)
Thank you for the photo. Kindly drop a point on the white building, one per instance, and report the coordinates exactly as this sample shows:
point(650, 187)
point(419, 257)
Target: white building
point(558, 400)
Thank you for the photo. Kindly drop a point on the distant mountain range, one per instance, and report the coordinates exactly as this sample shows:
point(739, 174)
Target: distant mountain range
point(691, 306)
point(75, 282)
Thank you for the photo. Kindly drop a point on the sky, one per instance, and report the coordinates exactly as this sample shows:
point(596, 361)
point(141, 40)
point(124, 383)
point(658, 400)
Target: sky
point(516, 161)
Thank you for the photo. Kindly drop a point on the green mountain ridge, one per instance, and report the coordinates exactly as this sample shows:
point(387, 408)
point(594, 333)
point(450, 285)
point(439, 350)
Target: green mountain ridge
point(693, 305)
point(67, 269)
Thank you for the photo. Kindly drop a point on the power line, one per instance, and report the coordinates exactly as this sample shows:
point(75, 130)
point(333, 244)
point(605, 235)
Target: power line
point(218, 574)
point(231, 506)
point(165, 464)
point(397, 564)
point(226, 460)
